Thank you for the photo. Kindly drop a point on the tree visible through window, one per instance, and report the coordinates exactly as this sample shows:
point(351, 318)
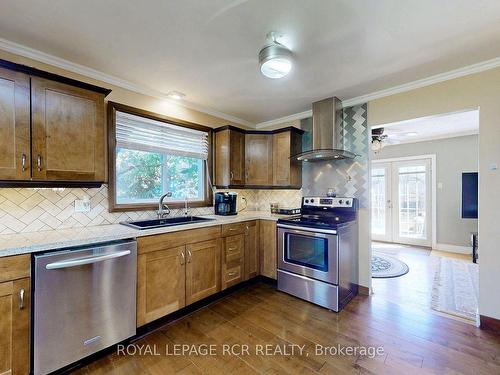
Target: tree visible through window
point(143, 176)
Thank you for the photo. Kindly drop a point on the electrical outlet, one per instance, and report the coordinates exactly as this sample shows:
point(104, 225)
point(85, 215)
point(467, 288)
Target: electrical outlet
point(82, 205)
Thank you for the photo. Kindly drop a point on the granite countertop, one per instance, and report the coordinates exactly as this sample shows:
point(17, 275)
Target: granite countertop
point(25, 243)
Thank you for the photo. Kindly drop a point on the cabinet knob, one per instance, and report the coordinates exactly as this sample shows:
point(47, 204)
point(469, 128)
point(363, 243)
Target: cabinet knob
point(21, 299)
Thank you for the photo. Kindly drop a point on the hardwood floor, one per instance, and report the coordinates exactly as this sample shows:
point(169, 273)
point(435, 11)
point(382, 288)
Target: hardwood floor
point(415, 288)
point(413, 341)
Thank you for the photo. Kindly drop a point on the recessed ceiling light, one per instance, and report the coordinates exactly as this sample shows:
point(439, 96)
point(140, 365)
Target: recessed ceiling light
point(411, 134)
point(275, 59)
point(177, 95)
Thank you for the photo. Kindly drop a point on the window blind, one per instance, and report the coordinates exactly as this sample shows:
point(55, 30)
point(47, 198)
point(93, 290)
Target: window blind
point(144, 134)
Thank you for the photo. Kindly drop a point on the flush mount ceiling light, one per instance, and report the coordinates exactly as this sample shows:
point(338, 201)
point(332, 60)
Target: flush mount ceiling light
point(275, 59)
point(177, 95)
point(411, 134)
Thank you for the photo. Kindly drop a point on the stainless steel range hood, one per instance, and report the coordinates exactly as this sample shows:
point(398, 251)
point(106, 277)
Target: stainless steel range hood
point(326, 132)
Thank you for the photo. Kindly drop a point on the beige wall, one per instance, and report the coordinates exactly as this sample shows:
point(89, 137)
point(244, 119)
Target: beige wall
point(481, 90)
point(453, 157)
point(123, 96)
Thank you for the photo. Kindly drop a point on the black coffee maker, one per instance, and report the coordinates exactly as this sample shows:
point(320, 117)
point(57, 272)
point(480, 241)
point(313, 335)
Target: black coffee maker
point(225, 203)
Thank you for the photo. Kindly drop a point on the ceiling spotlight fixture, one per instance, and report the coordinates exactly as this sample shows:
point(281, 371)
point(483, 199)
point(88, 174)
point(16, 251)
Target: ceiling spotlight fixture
point(177, 95)
point(275, 59)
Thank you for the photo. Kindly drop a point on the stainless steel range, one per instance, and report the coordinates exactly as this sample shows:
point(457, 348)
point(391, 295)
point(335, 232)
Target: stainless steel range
point(318, 252)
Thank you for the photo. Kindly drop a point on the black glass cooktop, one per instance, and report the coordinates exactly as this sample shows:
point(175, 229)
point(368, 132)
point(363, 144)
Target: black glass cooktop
point(316, 221)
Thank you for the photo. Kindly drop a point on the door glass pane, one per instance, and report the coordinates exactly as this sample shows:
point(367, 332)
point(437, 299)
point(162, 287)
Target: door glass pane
point(412, 201)
point(378, 201)
point(307, 251)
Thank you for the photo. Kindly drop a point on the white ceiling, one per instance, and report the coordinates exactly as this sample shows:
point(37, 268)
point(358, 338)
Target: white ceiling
point(208, 49)
point(431, 128)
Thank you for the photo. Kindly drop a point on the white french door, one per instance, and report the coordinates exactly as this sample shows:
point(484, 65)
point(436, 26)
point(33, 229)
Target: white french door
point(402, 201)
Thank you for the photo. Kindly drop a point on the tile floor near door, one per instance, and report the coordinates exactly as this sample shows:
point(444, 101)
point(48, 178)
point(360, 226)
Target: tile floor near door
point(413, 341)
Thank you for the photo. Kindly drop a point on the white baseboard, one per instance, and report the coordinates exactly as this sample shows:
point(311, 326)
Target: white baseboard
point(453, 248)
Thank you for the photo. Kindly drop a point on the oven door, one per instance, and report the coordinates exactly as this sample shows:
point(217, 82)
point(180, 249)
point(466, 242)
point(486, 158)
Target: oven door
point(309, 252)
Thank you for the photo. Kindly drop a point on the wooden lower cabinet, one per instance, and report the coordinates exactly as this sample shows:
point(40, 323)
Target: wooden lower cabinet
point(268, 251)
point(233, 260)
point(161, 278)
point(15, 326)
point(251, 249)
point(203, 270)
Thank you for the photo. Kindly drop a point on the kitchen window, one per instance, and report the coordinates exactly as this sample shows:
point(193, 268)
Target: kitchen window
point(151, 155)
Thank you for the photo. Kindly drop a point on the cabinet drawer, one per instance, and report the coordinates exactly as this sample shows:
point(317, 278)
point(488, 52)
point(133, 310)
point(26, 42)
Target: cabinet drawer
point(14, 267)
point(233, 274)
point(234, 248)
point(232, 229)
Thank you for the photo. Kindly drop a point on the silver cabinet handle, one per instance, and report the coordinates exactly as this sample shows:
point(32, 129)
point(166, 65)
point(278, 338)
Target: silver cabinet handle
point(86, 260)
point(231, 229)
point(189, 256)
point(183, 258)
point(232, 273)
point(23, 162)
point(39, 162)
point(232, 249)
point(247, 229)
point(21, 299)
point(232, 175)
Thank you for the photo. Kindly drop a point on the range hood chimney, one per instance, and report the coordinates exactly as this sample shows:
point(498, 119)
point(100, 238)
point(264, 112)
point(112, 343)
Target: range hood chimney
point(326, 130)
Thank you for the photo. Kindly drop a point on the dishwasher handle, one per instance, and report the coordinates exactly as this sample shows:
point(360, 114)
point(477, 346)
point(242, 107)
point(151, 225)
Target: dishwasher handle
point(87, 260)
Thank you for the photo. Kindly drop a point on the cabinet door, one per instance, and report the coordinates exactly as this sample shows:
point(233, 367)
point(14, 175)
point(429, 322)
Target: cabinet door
point(68, 132)
point(14, 327)
point(281, 161)
point(259, 159)
point(203, 270)
point(237, 158)
point(14, 126)
point(251, 249)
point(160, 284)
point(268, 249)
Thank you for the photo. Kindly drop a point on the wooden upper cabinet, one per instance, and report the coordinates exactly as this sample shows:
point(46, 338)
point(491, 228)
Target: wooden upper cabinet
point(203, 269)
point(160, 282)
point(67, 132)
point(14, 125)
point(285, 171)
point(259, 159)
point(229, 158)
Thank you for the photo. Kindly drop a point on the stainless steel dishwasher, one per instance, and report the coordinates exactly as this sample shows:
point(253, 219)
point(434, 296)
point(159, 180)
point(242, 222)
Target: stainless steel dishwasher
point(84, 301)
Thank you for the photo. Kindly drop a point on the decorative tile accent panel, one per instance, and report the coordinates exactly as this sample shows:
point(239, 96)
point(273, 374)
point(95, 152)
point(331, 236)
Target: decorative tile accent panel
point(33, 210)
point(347, 177)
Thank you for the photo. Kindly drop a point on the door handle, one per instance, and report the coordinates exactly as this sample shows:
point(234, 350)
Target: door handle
point(21, 299)
point(183, 258)
point(189, 256)
point(39, 162)
point(87, 260)
point(23, 162)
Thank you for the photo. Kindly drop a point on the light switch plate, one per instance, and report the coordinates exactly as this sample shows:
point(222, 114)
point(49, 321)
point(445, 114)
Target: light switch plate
point(82, 205)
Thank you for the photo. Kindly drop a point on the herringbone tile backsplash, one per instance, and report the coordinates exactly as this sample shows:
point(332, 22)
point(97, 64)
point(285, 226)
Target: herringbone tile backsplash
point(33, 210)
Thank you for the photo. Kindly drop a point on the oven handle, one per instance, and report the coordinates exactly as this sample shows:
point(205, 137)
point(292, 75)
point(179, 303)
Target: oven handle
point(307, 229)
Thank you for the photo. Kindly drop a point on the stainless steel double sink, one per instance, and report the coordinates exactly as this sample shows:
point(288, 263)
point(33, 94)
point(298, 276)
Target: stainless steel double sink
point(159, 223)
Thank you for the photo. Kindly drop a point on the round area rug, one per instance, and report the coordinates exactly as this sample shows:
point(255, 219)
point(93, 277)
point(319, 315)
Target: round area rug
point(384, 266)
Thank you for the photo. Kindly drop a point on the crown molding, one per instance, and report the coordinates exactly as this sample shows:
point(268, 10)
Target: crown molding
point(294, 117)
point(34, 54)
point(456, 73)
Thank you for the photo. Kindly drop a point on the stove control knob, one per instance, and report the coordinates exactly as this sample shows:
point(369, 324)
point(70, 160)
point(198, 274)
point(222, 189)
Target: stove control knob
point(347, 203)
point(307, 200)
point(312, 200)
point(341, 201)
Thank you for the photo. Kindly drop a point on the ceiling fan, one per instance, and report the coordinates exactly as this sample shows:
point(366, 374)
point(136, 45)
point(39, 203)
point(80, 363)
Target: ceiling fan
point(380, 140)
